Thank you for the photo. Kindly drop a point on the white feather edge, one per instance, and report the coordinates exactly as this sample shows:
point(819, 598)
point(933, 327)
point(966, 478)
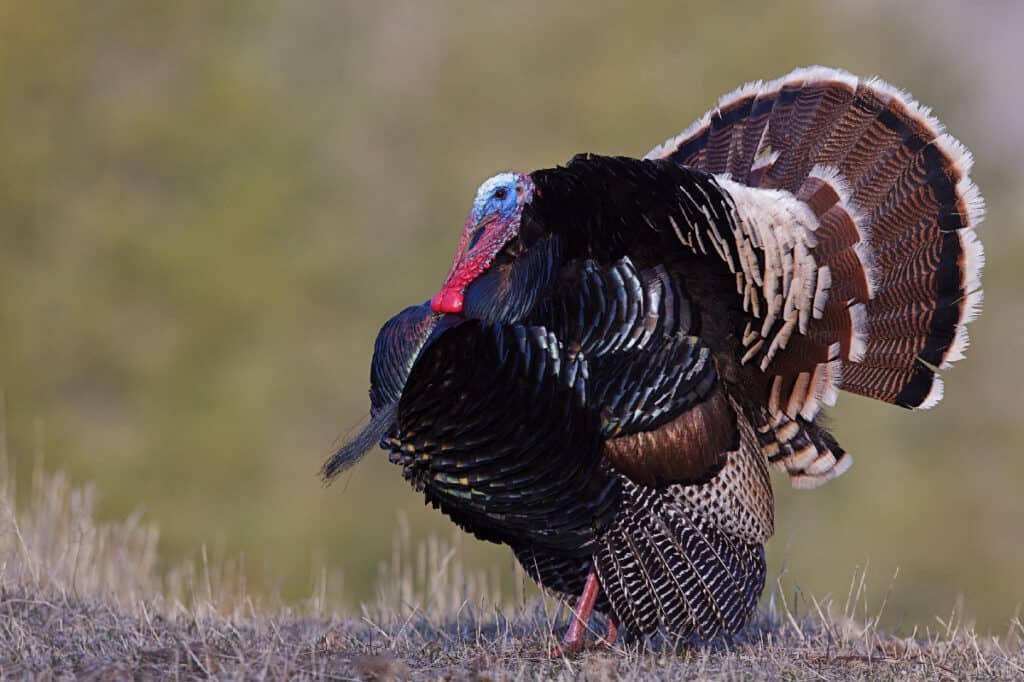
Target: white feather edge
point(826, 380)
point(974, 263)
point(817, 74)
point(821, 291)
point(843, 465)
point(811, 480)
point(833, 177)
point(752, 89)
point(822, 464)
point(972, 306)
point(765, 160)
point(671, 144)
point(913, 107)
point(974, 260)
point(858, 332)
point(973, 201)
point(807, 481)
point(961, 340)
point(757, 88)
point(934, 394)
point(961, 337)
point(865, 254)
point(955, 151)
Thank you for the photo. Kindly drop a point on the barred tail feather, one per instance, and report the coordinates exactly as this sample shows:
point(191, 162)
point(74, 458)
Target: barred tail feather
point(801, 448)
point(896, 210)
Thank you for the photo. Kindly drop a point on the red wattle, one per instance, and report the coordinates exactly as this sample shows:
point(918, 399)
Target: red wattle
point(447, 301)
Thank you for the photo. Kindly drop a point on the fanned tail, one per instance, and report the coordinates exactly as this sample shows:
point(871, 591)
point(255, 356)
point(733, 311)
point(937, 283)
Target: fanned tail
point(898, 262)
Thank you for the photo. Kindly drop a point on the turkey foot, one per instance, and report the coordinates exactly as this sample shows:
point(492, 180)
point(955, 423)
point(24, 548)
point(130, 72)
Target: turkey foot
point(611, 633)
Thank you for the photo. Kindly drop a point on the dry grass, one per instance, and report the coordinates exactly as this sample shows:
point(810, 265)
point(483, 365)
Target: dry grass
point(88, 600)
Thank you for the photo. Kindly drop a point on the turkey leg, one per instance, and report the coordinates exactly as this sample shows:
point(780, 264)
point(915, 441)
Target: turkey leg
point(573, 641)
point(612, 631)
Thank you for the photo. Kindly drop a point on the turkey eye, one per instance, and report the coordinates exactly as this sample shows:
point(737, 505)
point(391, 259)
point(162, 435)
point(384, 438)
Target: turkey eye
point(500, 193)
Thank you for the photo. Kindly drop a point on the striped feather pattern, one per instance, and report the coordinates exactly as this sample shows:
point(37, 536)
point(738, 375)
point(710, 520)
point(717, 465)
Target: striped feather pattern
point(739, 500)
point(689, 559)
point(802, 449)
point(895, 209)
point(664, 569)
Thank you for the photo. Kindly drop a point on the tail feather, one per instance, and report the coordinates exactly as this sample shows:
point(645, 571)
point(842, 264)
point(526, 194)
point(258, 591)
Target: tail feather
point(802, 449)
point(815, 109)
point(896, 212)
point(725, 134)
point(850, 127)
point(850, 278)
point(750, 121)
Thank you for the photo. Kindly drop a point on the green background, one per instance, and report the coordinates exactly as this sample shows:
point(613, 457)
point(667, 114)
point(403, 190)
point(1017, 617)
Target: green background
point(208, 209)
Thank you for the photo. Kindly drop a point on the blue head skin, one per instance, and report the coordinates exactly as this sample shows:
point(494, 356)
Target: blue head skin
point(493, 221)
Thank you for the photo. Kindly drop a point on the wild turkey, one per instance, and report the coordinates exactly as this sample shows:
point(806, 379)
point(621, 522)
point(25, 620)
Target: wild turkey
point(622, 346)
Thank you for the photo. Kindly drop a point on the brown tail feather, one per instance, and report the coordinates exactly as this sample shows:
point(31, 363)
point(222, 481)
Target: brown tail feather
point(896, 209)
point(816, 107)
point(802, 449)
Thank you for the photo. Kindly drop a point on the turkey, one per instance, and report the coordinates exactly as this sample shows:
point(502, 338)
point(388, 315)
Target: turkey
point(623, 347)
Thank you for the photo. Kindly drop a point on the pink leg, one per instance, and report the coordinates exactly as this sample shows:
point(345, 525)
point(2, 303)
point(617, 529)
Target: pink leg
point(574, 636)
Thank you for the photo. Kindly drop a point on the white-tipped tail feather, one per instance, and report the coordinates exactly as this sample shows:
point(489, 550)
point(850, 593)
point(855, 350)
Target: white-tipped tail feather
point(847, 195)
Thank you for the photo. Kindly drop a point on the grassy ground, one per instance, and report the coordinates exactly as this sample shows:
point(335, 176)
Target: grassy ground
point(90, 601)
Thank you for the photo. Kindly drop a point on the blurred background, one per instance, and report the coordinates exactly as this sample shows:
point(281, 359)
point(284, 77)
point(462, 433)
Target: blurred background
point(208, 209)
